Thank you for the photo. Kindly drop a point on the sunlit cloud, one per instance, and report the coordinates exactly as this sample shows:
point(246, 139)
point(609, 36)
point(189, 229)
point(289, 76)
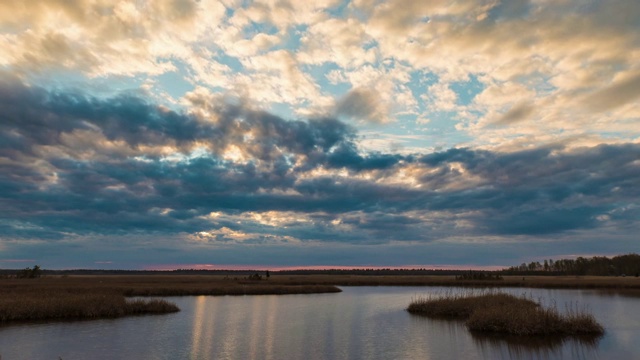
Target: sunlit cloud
point(180, 125)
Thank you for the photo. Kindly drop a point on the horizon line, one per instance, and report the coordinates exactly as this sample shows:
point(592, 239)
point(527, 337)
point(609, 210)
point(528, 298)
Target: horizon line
point(173, 267)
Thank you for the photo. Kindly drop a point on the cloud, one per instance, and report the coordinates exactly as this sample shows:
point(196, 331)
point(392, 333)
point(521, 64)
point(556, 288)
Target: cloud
point(537, 141)
point(441, 97)
point(616, 94)
point(277, 54)
point(517, 113)
point(57, 188)
point(362, 104)
point(338, 41)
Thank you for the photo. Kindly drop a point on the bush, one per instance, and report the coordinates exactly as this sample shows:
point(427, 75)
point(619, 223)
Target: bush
point(29, 273)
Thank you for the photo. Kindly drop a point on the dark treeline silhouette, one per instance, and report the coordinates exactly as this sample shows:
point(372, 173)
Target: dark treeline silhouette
point(249, 272)
point(621, 265)
point(628, 265)
point(378, 272)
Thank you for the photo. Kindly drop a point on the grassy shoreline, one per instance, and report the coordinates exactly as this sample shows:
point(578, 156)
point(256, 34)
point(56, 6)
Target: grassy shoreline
point(230, 285)
point(549, 282)
point(66, 290)
point(507, 314)
point(99, 297)
point(29, 306)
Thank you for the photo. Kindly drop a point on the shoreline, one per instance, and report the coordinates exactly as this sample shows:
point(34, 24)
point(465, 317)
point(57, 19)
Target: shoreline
point(80, 297)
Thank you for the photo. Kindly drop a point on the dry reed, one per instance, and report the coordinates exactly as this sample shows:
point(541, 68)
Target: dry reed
point(507, 314)
point(93, 297)
point(65, 305)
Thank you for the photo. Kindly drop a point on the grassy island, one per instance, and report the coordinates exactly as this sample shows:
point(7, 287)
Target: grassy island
point(507, 314)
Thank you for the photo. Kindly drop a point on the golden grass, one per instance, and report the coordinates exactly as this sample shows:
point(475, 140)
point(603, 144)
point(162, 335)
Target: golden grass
point(559, 282)
point(93, 297)
point(507, 314)
point(462, 306)
point(38, 306)
point(89, 288)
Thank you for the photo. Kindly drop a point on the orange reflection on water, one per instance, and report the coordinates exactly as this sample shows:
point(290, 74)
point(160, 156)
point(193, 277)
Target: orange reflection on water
point(203, 330)
point(262, 328)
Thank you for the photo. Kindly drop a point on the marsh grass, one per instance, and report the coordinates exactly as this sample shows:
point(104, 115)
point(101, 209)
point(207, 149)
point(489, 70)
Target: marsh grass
point(550, 282)
point(507, 314)
point(96, 297)
point(81, 289)
point(40, 306)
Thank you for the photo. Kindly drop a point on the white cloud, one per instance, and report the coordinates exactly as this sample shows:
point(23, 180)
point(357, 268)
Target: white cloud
point(440, 97)
point(573, 68)
point(338, 41)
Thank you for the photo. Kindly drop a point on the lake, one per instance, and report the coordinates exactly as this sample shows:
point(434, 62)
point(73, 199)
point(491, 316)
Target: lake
point(359, 323)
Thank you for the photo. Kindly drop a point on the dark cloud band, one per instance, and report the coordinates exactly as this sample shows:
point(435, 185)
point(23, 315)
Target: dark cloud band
point(73, 165)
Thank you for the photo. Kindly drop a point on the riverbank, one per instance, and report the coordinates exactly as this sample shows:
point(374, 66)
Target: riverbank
point(103, 296)
point(549, 282)
point(96, 297)
point(277, 284)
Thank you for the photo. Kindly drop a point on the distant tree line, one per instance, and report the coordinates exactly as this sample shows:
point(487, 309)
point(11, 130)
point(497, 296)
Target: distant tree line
point(628, 264)
point(249, 272)
point(374, 271)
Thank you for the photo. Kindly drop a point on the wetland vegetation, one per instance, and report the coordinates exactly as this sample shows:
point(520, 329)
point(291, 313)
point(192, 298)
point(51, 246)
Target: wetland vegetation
point(37, 294)
point(62, 305)
point(93, 297)
point(507, 314)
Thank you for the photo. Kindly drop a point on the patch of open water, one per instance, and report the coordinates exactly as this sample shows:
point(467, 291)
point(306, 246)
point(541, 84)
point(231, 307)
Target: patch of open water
point(359, 323)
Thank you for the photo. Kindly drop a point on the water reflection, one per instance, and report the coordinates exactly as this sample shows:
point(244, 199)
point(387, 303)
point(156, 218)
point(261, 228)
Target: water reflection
point(203, 329)
point(262, 328)
point(437, 339)
point(270, 329)
point(632, 293)
point(359, 323)
point(536, 347)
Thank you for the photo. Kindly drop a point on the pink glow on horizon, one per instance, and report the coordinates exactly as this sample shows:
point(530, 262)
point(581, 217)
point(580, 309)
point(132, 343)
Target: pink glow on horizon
point(319, 267)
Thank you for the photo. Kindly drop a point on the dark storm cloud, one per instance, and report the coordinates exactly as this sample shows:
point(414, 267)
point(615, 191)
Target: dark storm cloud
point(542, 191)
point(52, 187)
point(347, 156)
point(34, 117)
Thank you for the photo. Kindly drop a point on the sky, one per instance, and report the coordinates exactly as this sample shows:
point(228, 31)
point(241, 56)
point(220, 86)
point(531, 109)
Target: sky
point(330, 133)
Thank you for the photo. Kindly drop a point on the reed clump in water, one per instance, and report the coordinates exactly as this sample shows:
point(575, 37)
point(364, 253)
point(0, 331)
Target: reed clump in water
point(507, 314)
point(35, 306)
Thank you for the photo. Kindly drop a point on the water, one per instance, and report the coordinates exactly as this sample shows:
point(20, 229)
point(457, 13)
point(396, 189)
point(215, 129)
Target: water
point(359, 323)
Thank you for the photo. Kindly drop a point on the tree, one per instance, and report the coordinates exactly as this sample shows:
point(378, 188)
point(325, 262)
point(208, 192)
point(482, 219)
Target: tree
point(30, 273)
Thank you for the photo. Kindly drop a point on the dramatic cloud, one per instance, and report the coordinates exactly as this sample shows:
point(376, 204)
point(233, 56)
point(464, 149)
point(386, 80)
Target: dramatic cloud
point(384, 60)
point(75, 166)
point(327, 128)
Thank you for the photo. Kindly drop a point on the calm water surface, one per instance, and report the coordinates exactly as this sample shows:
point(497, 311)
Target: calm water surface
point(359, 323)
